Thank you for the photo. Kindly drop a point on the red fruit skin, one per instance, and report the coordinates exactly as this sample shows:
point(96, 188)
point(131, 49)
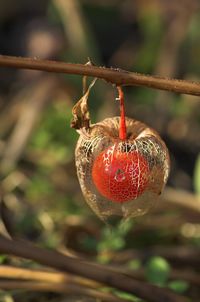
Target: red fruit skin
point(120, 176)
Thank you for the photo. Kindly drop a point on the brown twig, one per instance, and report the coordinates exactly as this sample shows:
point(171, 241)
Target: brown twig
point(59, 288)
point(19, 273)
point(89, 270)
point(40, 280)
point(115, 76)
point(182, 255)
point(37, 97)
point(180, 274)
point(182, 198)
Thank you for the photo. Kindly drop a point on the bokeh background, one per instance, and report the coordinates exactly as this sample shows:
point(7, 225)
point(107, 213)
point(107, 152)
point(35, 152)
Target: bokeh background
point(42, 201)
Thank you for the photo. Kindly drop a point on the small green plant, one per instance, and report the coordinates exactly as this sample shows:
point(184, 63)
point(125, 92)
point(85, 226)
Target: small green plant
point(157, 271)
point(179, 286)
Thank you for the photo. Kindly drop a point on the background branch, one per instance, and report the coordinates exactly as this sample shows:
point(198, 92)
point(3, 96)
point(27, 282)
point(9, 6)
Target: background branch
point(114, 76)
point(90, 270)
point(21, 273)
point(59, 288)
point(40, 280)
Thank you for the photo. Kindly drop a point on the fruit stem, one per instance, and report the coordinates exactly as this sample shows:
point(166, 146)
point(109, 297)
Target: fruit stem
point(122, 123)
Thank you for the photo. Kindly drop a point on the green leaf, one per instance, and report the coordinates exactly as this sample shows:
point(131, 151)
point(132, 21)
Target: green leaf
point(157, 270)
point(134, 264)
point(179, 286)
point(127, 296)
point(2, 258)
point(197, 175)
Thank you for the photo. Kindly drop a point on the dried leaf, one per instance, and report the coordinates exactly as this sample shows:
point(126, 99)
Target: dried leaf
point(80, 112)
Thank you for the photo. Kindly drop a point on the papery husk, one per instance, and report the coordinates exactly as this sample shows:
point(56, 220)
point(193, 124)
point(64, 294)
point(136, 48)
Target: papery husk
point(96, 138)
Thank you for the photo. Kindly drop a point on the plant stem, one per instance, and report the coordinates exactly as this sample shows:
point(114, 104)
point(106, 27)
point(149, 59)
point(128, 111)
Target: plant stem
point(115, 76)
point(96, 272)
point(122, 124)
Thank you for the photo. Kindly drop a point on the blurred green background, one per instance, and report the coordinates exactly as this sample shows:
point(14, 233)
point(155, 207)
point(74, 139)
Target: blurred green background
point(42, 200)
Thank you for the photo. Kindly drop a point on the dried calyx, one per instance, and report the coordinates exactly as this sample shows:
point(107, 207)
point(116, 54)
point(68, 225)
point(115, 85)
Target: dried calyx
point(122, 164)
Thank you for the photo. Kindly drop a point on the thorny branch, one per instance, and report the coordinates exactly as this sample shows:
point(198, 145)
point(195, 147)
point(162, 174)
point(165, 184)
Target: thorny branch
point(115, 76)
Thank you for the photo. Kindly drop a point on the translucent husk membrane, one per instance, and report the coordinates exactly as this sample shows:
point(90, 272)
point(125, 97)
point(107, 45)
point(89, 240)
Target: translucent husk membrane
point(140, 139)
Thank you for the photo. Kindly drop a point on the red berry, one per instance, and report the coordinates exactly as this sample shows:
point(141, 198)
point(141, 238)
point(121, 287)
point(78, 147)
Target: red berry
point(120, 176)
